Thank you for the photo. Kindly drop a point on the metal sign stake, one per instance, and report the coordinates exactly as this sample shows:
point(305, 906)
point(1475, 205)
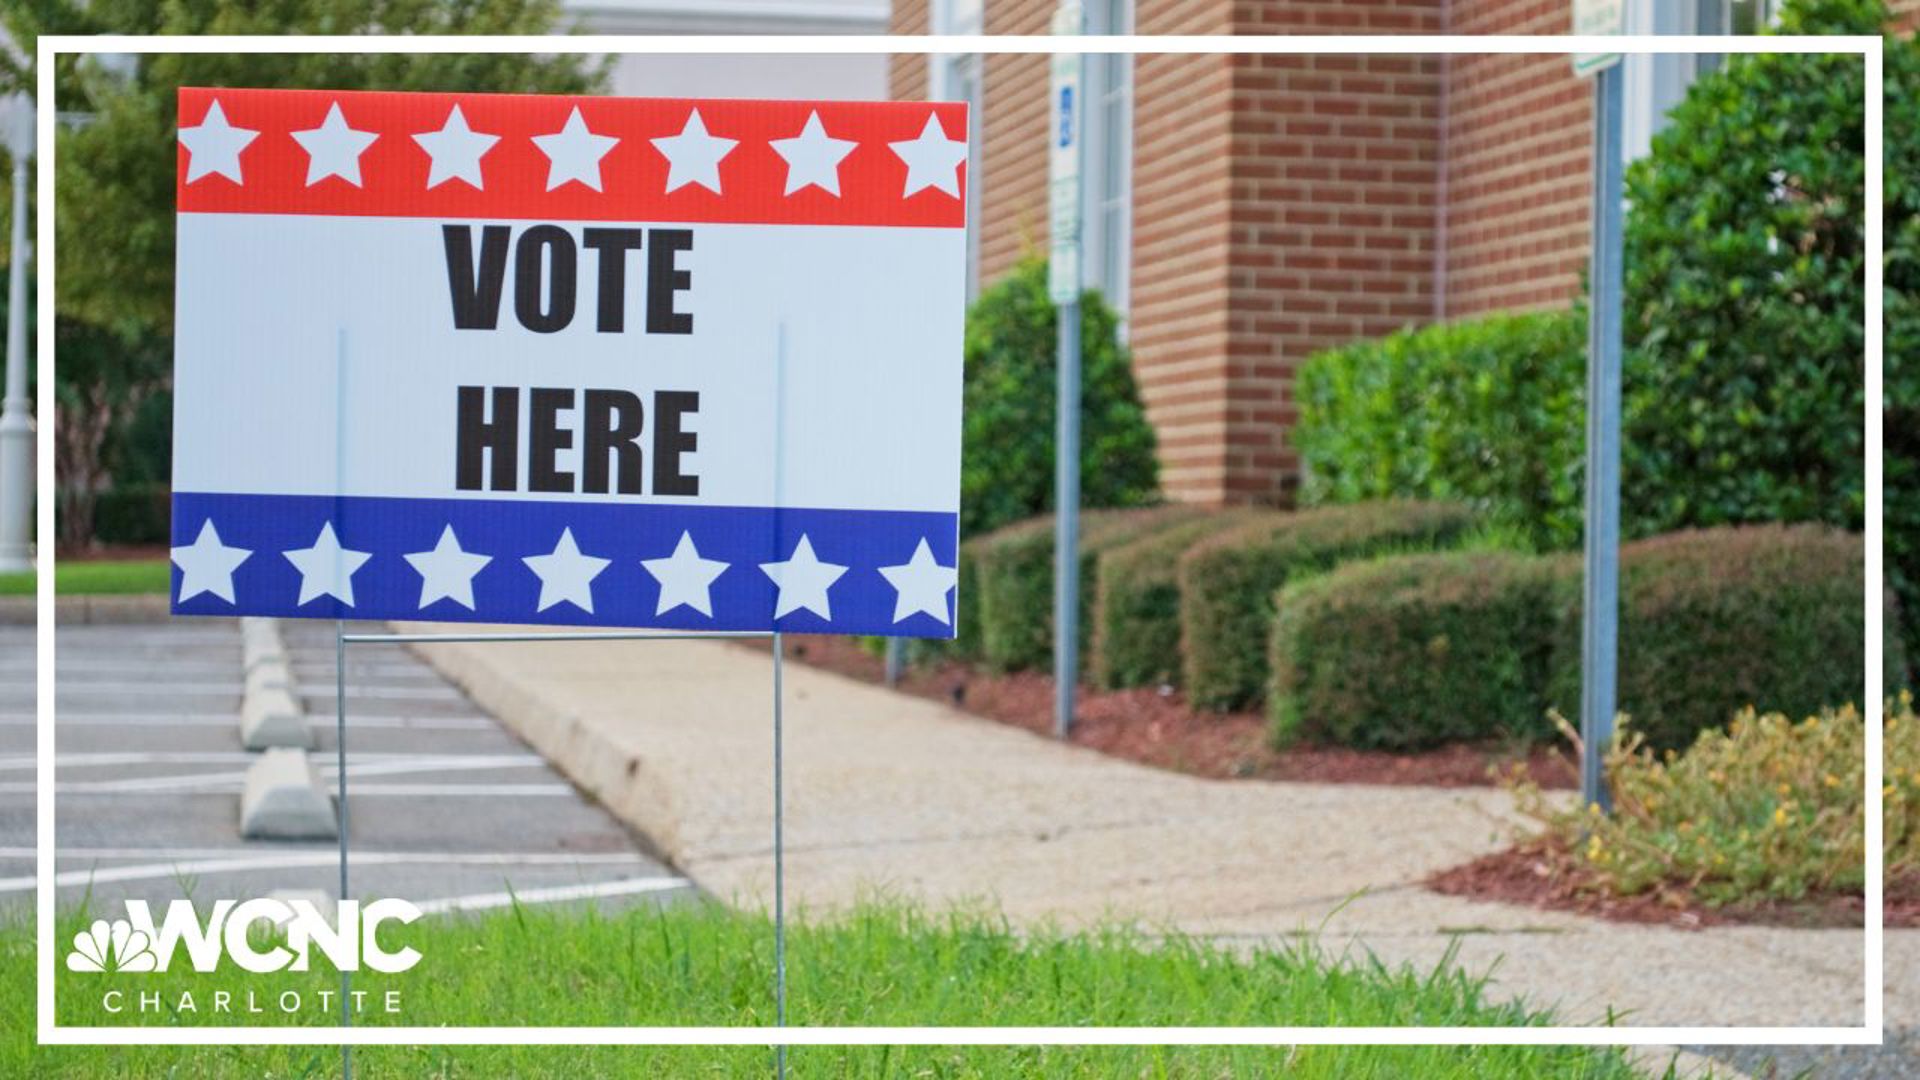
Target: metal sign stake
point(1600, 614)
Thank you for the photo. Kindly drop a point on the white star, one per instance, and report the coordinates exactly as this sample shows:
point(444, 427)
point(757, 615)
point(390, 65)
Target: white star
point(574, 153)
point(684, 578)
point(803, 581)
point(456, 150)
point(207, 565)
point(933, 160)
point(447, 572)
point(326, 568)
point(334, 149)
point(813, 157)
point(566, 576)
point(215, 146)
point(922, 583)
point(693, 156)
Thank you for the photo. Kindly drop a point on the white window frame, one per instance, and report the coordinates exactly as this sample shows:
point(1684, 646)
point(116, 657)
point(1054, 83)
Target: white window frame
point(1655, 84)
point(962, 77)
point(1107, 252)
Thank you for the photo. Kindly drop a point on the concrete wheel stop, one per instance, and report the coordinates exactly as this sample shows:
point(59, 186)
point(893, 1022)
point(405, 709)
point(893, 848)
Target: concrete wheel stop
point(284, 799)
point(270, 710)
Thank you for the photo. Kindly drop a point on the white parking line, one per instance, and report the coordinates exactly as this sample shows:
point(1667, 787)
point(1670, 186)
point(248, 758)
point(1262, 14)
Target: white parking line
point(299, 860)
point(392, 693)
point(203, 783)
point(332, 851)
point(356, 720)
point(358, 789)
point(89, 686)
point(230, 757)
point(554, 894)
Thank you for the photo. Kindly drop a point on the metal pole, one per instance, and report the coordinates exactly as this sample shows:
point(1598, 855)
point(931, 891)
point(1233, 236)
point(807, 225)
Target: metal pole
point(16, 416)
point(896, 660)
point(1066, 541)
point(340, 766)
point(779, 869)
point(1600, 615)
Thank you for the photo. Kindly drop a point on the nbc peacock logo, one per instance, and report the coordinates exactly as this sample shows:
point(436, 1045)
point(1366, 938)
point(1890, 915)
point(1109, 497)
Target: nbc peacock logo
point(112, 948)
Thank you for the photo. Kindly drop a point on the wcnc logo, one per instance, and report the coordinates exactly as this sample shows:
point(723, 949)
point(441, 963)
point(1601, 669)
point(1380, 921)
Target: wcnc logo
point(136, 944)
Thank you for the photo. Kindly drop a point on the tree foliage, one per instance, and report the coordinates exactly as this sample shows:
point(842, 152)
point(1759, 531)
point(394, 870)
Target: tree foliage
point(114, 213)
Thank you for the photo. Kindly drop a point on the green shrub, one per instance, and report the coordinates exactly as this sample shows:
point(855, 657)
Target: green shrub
point(1227, 583)
point(1489, 412)
point(1716, 620)
point(1415, 651)
point(1136, 603)
point(1901, 437)
point(1745, 312)
point(1014, 571)
point(1765, 809)
point(1007, 464)
point(966, 603)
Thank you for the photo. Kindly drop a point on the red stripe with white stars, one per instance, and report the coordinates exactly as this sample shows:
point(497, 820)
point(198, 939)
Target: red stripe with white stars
point(565, 158)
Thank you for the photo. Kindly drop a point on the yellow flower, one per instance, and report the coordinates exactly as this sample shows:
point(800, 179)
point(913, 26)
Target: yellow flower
point(1780, 815)
point(1832, 781)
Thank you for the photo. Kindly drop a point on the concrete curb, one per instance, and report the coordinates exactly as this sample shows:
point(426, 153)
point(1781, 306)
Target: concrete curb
point(270, 710)
point(584, 753)
point(79, 610)
point(283, 800)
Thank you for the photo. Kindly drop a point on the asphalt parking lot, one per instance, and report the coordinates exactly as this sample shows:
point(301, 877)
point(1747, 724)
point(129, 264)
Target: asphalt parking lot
point(446, 808)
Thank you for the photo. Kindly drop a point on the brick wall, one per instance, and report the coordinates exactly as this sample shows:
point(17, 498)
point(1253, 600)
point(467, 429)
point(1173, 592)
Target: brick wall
point(907, 72)
point(1519, 166)
point(1013, 170)
point(1178, 307)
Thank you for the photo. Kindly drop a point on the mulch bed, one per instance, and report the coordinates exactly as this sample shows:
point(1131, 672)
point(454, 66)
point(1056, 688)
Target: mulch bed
point(1158, 729)
point(1543, 874)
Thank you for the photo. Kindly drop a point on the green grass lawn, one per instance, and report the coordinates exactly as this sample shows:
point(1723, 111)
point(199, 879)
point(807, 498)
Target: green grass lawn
point(704, 965)
point(97, 578)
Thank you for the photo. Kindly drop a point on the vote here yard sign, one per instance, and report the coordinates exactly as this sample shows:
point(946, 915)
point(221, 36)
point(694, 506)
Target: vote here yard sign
point(579, 360)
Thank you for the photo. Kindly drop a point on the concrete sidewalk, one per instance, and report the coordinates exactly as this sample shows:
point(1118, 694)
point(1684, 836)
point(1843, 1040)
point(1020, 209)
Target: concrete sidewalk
point(888, 793)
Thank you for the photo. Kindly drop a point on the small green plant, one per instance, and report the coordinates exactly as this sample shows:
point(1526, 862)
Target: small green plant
point(1768, 809)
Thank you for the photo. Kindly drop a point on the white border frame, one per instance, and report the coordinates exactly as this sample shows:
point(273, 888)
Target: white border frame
point(1870, 1033)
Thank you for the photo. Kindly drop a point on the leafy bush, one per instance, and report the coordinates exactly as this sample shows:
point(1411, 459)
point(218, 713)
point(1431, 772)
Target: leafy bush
point(124, 514)
point(1015, 578)
point(1415, 651)
point(1745, 311)
point(1714, 620)
point(1901, 436)
point(1136, 603)
point(1007, 463)
point(1227, 583)
point(1765, 809)
point(1489, 412)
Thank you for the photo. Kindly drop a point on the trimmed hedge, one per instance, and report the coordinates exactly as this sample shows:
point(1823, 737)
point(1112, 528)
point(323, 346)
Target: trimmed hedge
point(1136, 603)
point(1414, 651)
point(1014, 579)
point(1228, 581)
point(1715, 620)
